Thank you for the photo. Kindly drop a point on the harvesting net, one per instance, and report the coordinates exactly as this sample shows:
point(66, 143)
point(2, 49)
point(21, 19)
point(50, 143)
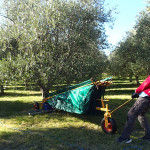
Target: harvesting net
point(80, 98)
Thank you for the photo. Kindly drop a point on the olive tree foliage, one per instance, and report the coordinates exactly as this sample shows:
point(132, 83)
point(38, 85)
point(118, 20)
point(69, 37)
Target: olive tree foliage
point(143, 39)
point(131, 56)
point(123, 60)
point(52, 41)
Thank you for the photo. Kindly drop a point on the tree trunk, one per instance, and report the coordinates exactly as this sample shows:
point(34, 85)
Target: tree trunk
point(130, 78)
point(45, 92)
point(137, 80)
point(2, 89)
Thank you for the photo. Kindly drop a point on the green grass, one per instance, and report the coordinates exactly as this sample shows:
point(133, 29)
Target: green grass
point(54, 131)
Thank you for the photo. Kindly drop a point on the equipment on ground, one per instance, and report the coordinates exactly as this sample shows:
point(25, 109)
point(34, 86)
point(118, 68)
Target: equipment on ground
point(79, 98)
point(108, 124)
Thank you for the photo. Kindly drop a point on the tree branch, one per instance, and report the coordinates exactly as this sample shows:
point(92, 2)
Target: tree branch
point(7, 18)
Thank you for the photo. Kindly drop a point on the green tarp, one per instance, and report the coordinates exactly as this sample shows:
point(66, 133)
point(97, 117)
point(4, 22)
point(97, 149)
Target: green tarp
point(80, 98)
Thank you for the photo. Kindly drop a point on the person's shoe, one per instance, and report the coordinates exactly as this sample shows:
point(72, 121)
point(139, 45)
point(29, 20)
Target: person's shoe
point(146, 138)
point(124, 140)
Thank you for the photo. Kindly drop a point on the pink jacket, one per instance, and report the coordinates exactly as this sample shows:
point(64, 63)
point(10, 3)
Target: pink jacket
point(144, 87)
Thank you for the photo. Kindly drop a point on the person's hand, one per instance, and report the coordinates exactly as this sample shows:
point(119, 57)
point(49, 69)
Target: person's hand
point(135, 95)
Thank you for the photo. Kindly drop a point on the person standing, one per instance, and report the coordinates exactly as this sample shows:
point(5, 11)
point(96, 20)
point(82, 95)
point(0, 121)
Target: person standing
point(138, 110)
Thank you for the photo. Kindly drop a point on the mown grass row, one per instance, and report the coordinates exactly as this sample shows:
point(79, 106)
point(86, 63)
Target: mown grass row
point(62, 130)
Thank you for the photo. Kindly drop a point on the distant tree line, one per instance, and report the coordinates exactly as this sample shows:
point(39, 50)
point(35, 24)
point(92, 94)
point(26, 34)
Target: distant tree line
point(131, 56)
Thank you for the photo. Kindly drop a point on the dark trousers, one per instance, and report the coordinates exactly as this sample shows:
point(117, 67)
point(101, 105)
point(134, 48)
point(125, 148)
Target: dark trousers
point(139, 109)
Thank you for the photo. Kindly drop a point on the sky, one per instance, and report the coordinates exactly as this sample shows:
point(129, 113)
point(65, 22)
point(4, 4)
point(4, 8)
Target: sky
point(128, 10)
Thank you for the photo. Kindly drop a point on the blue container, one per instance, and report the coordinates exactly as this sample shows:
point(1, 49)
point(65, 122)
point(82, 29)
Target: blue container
point(46, 106)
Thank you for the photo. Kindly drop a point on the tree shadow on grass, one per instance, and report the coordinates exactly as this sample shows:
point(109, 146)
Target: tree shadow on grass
point(13, 108)
point(122, 85)
point(15, 94)
point(69, 138)
point(47, 139)
point(95, 119)
point(119, 92)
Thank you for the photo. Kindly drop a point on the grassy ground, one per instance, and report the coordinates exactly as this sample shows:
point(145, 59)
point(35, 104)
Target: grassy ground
point(61, 130)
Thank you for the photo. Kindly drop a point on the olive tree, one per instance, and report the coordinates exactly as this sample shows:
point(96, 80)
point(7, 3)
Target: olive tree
point(142, 39)
point(124, 60)
point(131, 56)
point(53, 41)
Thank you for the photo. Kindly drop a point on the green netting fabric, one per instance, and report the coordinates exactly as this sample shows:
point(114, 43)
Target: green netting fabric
point(80, 98)
point(75, 101)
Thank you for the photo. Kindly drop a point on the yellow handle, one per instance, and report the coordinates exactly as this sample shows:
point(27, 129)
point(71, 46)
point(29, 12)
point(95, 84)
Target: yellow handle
point(122, 105)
